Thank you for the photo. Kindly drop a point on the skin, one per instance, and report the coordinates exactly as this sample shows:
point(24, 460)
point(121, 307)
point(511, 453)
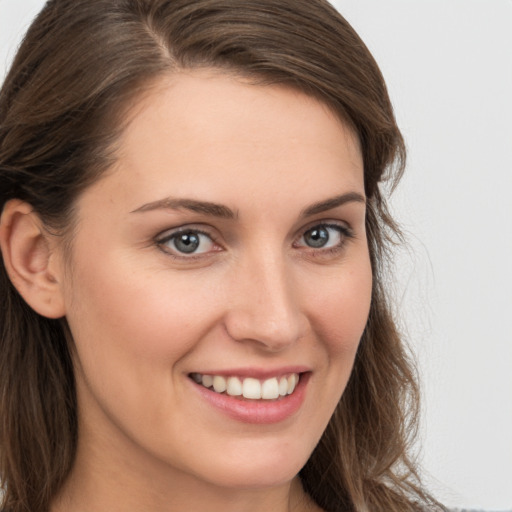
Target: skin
point(143, 316)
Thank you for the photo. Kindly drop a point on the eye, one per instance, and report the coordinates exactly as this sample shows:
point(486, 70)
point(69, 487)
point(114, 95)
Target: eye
point(189, 241)
point(324, 236)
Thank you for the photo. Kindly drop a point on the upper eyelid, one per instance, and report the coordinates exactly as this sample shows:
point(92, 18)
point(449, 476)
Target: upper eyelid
point(170, 232)
point(200, 228)
point(344, 225)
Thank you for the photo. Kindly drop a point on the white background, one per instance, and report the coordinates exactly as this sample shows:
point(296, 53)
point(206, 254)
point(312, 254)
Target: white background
point(448, 65)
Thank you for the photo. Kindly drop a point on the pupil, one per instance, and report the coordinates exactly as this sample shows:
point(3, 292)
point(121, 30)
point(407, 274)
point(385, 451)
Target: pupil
point(317, 237)
point(187, 242)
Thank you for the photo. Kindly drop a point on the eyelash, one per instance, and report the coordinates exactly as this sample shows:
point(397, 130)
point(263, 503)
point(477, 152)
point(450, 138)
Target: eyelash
point(168, 237)
point(345, 233)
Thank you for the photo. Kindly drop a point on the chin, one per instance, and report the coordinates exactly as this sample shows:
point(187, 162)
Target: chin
point(246, 477)
point(263, 470)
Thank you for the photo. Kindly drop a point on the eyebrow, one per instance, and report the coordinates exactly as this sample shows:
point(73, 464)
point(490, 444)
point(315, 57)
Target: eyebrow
point(333, 202)
point(205, 207)
point(219, 210)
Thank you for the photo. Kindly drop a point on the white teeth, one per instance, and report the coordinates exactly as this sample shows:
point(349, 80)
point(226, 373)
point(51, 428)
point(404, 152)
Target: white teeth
point(253, 389)
point(292, 382)
point(207, 381)
point(283, 386)
point(219, 384)
point(270, 389)
point(234, 386)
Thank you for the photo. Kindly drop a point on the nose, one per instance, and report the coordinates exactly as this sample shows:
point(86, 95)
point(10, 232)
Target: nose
point(264, 306)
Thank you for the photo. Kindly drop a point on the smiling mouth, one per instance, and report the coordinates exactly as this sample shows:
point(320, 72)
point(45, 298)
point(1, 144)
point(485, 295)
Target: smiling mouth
point(249, 388)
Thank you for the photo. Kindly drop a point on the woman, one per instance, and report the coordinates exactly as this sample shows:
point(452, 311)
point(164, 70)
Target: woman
point(193, 239)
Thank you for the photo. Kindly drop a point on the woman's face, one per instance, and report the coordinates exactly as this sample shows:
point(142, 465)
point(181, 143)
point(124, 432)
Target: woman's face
point(227, 245)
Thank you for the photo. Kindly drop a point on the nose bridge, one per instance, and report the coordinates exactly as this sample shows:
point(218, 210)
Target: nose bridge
point(265, 309)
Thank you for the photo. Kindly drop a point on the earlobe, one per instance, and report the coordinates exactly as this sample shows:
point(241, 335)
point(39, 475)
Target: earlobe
point(29, 259)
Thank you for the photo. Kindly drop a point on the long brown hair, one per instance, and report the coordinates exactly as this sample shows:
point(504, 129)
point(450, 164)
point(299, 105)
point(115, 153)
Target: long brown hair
point(61, 108)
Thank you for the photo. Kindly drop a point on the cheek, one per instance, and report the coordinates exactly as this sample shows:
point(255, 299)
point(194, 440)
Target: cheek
point(131, 328)
point(145, 311)
point(130, 335)
point(340, 310)
point(339, 313)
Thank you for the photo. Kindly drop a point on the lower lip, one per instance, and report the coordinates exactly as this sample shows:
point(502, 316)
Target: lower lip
point(257, 411)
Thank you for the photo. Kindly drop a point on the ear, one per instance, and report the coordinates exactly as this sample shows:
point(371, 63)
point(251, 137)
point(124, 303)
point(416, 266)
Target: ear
point(30, 259)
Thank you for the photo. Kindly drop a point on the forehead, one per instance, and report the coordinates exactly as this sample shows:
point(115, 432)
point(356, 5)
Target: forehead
point(203, 133)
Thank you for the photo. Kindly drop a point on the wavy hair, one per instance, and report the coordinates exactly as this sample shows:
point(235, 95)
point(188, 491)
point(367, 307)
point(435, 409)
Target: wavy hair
point(78, 70)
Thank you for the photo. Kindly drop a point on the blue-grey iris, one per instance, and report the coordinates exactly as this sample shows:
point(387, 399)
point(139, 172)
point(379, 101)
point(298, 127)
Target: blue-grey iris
point(316, 237)
point(187, 242)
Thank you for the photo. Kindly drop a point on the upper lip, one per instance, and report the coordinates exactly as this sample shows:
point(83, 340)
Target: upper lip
point(256, 373)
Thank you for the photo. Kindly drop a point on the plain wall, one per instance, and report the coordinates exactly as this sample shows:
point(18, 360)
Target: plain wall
point(448, 65)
